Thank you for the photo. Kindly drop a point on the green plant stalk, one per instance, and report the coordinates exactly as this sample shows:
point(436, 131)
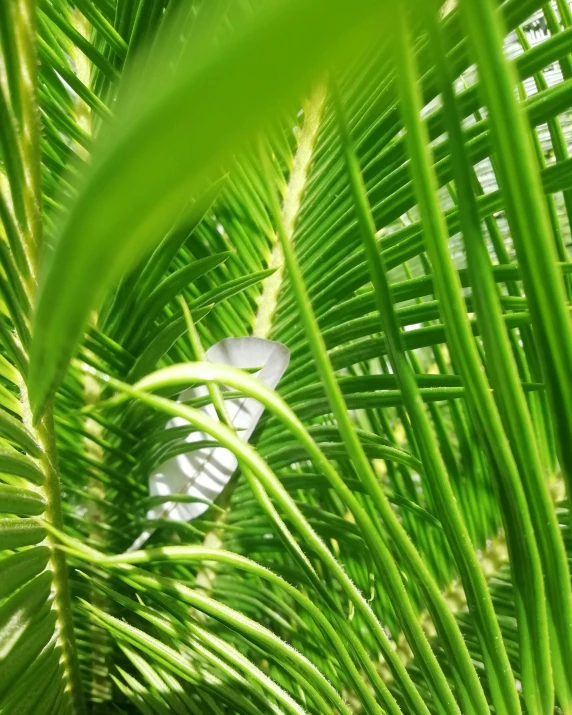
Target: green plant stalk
point(24, 32)
point(502, 684)
point(479, 533)
point(512, 403)
point(503, 687)
point(290, 208)
point(13, 171)
point(525, 354)
point(401, 482)
point(470, 690)
point(559, 147)
point(529, 596)
point(100, 686)
point(48, 462)
point(565, 14)
point(528, 218)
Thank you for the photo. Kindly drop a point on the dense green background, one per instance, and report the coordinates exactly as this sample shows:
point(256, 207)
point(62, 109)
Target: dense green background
point(385, 188)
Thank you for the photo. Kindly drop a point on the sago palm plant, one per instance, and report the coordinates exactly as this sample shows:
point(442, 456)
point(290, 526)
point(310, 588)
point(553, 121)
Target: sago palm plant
point(369, 203)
